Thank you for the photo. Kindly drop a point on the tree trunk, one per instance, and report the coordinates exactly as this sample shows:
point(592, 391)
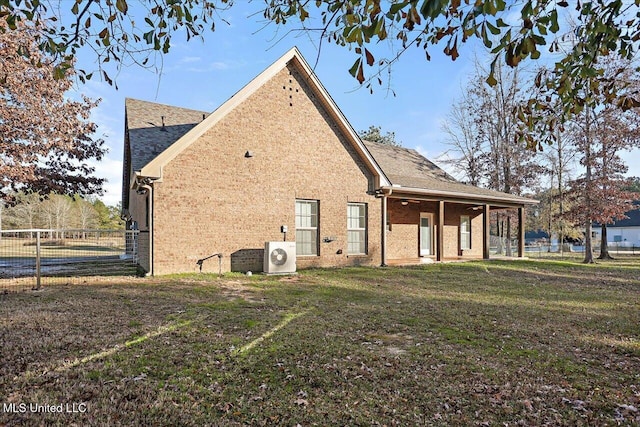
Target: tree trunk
point(559, 145)
point(550, 222)
point(588, 248)
point(604, 246)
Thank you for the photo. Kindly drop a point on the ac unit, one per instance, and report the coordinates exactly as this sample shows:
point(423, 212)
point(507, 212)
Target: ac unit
point(279, 257)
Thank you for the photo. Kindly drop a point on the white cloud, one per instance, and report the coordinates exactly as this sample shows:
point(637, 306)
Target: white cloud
point(216, 66)
point(190, 59)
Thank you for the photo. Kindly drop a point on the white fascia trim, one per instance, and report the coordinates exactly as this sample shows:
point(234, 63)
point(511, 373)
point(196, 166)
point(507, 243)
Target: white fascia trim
point(468, 196)
point(359, 145)
point(154, 168)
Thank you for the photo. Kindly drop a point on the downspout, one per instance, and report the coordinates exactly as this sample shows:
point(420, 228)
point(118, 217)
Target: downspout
point(149, 189)
point(383, 229)
point(383, 240)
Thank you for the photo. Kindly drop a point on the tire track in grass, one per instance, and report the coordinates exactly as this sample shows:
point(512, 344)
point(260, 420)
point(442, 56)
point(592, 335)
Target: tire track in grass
point(287, 319)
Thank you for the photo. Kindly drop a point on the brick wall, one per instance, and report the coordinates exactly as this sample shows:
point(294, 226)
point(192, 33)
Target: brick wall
point(404, 234)
point(213, 199)
point(452, 213)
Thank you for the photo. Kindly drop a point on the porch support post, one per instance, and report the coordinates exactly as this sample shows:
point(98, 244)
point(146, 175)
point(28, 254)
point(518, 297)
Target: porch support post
point(440, 233)
point(521, 218)
point(383, 233)
point(486, 232)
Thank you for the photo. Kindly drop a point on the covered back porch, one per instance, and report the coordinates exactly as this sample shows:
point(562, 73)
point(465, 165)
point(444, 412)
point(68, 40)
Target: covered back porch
point(422, 228)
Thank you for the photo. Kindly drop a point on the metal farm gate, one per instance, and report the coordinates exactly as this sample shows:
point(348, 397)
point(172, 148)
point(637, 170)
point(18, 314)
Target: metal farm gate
point(30, 259)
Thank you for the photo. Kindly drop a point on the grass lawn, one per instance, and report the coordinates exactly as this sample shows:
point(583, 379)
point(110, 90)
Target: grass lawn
point(479, 343)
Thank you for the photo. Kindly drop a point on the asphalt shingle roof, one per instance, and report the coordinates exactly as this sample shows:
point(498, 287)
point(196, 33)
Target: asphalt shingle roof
point(408, 168)
point(147, 135)
point(632, 221)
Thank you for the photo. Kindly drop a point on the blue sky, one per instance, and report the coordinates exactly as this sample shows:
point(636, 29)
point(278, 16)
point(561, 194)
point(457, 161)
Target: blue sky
point(202, 75)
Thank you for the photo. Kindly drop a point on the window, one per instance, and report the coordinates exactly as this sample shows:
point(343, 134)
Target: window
point(306, 227)
point(356, 228)
point(465, 232)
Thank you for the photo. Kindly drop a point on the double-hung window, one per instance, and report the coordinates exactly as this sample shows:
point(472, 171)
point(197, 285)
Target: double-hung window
point(356, 228)
point(306, 227)
point(465, 232)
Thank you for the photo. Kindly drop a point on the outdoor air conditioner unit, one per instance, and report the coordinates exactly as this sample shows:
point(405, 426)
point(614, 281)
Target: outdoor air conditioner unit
point(279, 257)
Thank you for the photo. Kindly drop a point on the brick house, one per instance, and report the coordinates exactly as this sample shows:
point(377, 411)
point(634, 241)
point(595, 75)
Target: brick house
point(281, 153)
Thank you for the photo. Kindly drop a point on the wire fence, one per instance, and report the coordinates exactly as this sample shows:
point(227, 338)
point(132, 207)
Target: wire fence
point(545, 250)
point(30, 259)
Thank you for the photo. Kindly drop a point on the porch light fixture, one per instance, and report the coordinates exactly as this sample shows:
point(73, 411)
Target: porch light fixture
point(404, 202)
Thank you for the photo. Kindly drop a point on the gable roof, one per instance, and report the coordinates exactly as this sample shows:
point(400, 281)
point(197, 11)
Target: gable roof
point(154, 127)
point(158, 133)
point(633, 219)
point(153, 168)
point(409, 171)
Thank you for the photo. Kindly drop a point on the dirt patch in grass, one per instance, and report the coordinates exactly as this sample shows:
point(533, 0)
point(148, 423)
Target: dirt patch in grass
point(526, 343)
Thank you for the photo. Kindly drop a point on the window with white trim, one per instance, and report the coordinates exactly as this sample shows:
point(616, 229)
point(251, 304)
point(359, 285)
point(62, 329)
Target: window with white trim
point(306, 227)
point(356, 228)
point(465, 232)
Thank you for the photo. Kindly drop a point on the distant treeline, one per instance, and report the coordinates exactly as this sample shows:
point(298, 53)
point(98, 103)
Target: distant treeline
point(59, 212)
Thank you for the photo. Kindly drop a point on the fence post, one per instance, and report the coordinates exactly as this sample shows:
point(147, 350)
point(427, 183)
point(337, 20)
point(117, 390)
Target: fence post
point(37, 260)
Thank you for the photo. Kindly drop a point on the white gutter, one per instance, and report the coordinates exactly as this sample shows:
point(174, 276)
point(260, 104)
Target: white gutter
point(441, 194)
point(148, 187)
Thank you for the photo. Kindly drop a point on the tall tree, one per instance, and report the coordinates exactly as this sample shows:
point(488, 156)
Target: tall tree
point(559, 162)
point(600, 135)
point(108, 216)
point(56, 212)
point(24, 212)
point(85, 214)
point(45, 137)
point(546, 217)
point(616, 131)
point(599, 195)
point(485, 131)
point(467, 153)
point(374, 134)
